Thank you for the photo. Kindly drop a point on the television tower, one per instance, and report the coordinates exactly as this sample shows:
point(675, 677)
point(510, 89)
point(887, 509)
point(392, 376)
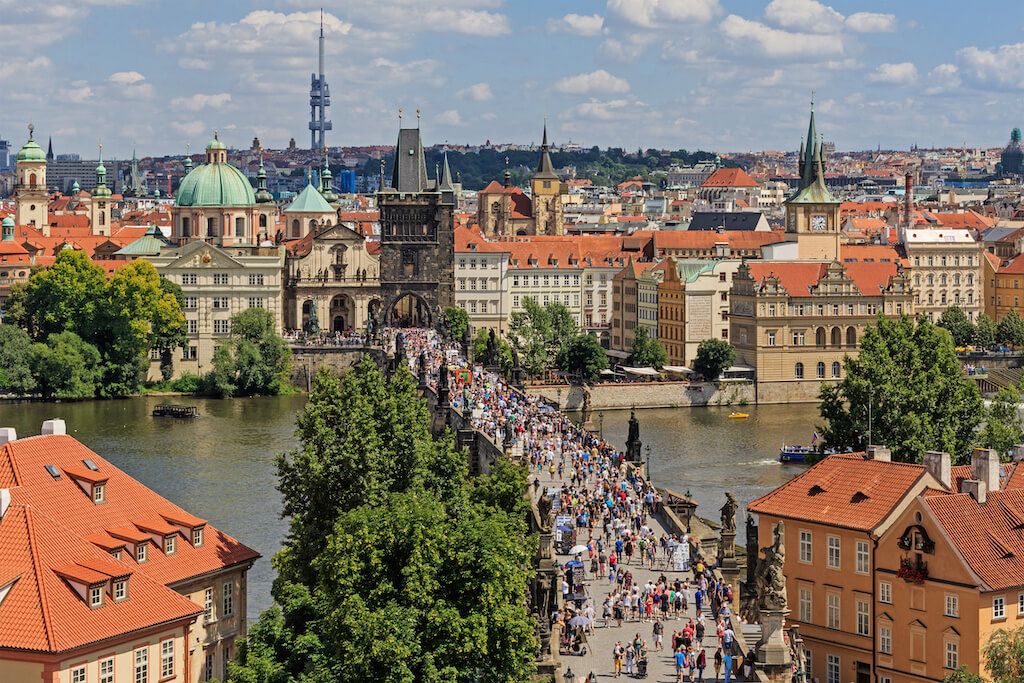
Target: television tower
point(319, 99)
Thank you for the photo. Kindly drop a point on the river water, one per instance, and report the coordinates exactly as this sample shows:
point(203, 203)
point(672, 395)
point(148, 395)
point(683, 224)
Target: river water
point(221, 465)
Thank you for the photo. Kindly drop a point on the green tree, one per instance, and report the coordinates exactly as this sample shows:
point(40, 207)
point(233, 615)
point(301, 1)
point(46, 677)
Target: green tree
point(584, 356)
point(962, 329)
point(66, 367)
point(563, 325)
point(963, 675)
point(1010, 329)
point(647, 351)
point(529, 331)
point(221, 380)
point(15, 361)
point(457, 320)
point(918, 395)
point(169, 330)
point(985, 331)
point(258, 359)
point(480, 342)
point(1003, 428)
point(66, 297)
point(713, 356)
point(1004, 656)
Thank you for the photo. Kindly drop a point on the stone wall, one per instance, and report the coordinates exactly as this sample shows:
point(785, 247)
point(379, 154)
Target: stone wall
point(795, 391)
point(306, 361)
point(647, 395)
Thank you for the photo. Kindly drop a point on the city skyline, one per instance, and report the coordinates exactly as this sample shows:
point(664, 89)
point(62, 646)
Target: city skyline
point(694, 74)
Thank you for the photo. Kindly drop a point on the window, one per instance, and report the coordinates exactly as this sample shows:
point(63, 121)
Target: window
point(220, 302)
point(191, 302)
point(952, 606)
point(197, 537)
point(208, 605)
point(821, 370)
point(107, 670)
point(188, 278)
point(167, 659)
point(798, 371)
point(515, 281)
point(472, 283)
point(833, 610)
point(255, 302)
point(255, 279)
point(462, 283)
point(140, 552)
point(999, 608)
point(120, 590)
point(227, 658)
point(771, 339)
point(220, 326)
point(835, 369)
point(832, 665)
point(208, 667)
point(515, 301)
point(805, 547)
point(798, 339)
point(472, 306)
point(952, 655)
point(229, 599)
point(863, 557)
point(1020, 605)
point(220, 278)
point(193, 327)
point(863, 618)
point(169, 544)
point(885, 640)
point(805, 605)
point(833, 552)
point(98, 493)
point(78, 674)
point(142, 665)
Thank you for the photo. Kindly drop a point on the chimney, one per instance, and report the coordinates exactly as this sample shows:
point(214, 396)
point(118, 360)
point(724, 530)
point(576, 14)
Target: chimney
point(976, 488)
point(880, 453)
point(8, 434)
point(937, 464)
point(985, 468)
point(54, 427)
point(908, 198)
point(5, 502)
point(1018, 452)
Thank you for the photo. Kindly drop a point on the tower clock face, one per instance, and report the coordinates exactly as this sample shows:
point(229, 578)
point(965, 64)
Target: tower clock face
point(818, 222)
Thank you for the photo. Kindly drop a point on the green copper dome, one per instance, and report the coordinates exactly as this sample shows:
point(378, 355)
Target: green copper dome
point(215, 185)
point(215, 143)
point(31, 152)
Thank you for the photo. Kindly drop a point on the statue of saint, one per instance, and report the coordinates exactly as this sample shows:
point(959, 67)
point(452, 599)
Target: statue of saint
point(771, 582)
point(729, 513)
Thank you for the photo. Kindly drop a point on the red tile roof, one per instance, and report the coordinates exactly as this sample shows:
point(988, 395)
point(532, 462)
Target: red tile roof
point(729, 177)
point(707, 239)
point(796, 277)
point(1014, 266)
point(827, 493)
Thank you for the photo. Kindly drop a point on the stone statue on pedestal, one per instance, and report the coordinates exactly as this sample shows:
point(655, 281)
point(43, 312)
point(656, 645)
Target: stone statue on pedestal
point(547, 516)
point(771, 582)
point(491, 356)
point(633, 443)
point(423, 369)
point(729, 513)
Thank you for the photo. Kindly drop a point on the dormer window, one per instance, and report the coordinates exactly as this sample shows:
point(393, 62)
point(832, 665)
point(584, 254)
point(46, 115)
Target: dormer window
point(99, 493)
point(120, 590)
point(140, 552)
point(169, 544)
point(95, 596)
point(197, 537)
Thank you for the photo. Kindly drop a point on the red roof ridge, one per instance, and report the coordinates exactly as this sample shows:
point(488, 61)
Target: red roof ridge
point(43, 602)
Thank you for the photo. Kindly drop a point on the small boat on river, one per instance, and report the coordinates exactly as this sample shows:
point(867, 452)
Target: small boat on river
point(738, 416)
point(173, 410)
point(795, 454)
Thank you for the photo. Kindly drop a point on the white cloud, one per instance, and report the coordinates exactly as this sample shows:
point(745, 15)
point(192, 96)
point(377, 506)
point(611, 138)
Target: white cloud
point(419, 71)
point(449, 118)
point(942, 78)
point(627, 49)
point(477, 23)
point(15, 67)
point(612, 110)
point(488, 116)
point(904, 73)
point(599, 81)
point(803, 15)
point(479, 92)
point(1003, 67)
point(79, 93)
point(126, 77)
point(775, 42)
point(579, 24)
point(201, 101)
point(190, 130)
point(657, 13)
point(871, 22)
point(194, 63)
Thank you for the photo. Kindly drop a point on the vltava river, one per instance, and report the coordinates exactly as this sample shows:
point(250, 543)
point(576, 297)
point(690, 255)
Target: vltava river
point(221, 465)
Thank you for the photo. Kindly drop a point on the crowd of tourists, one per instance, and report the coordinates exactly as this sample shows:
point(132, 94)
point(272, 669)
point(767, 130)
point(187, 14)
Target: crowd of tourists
point(348, 338)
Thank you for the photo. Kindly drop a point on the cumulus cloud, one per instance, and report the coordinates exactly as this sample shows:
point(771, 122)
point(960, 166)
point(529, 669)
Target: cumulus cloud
point(775, 42)
point(656, 13)
point(201, 101)
point(479, 92)
point(19, 67)
point(942, 78)
point(803, 15)
point(78, 93)
point(599, 81)
point(904, 73)
point(189, 129)
point(871, 22)
point(579, 24)
point(194, 63)
point(449, 118)
point(126, 77)
point(130, 84)
point(1003, 67)
point(627, 49)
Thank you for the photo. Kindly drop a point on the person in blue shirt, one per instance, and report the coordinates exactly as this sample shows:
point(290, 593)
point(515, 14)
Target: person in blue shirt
point(681, 664)
point(727, 662)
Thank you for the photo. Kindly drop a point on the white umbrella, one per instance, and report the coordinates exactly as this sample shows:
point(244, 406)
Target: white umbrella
point(579, 620)
point(577, 549)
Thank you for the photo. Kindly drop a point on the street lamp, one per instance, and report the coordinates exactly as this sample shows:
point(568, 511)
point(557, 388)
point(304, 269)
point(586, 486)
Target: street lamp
point(568, 676)
point(647, 470)
point(600, 423)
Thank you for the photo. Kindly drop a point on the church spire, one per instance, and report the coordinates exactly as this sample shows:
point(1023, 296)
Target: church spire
point(810, 152)
point(545, 169)
point(444, 182)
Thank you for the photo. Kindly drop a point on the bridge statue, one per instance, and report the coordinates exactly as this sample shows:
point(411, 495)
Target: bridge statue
point(729, 513)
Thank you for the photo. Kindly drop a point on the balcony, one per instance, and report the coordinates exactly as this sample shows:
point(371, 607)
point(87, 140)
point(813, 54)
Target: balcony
point(913, 570)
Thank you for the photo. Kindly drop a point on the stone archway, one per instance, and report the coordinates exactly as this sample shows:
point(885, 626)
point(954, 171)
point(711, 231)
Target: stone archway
point(408, 310)
point(342, 313)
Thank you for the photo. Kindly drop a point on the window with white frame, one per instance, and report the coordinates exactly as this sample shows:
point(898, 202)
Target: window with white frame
point(808, 662)
point(833, 552)
point(193, 327)
point(999, 608)
point(228, 598)
point(220, 278)
point(208, 605)
point(952, 606)
point(863, 558)
point(1020, 604)
point(833, 669)
point(885, 592)
point(96, 596)
point(805, 605)
point(885, 640)
point(221, 326)
point(191, 302)
point(99, 493)
point(255, 279)
point(863, 618)
point(806, 547)
point(188, 278)
point(78, 674)
point(107, 670)
point(170, 544)
point(167, 659)
point(952, 654)
point(833, 610)
point(255, 302)
point(142, 665)
point(140, 552)
point(120, 590)
point(220, 302)
point(197, 536)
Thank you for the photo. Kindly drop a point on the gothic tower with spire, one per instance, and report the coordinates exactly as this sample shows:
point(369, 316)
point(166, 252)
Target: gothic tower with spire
point(812, 213)
point(546, 194)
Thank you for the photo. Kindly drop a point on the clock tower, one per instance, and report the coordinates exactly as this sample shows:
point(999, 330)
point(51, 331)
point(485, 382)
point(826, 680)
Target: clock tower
point(812, 213)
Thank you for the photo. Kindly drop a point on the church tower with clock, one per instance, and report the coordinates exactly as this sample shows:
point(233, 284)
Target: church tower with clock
point(812, 213)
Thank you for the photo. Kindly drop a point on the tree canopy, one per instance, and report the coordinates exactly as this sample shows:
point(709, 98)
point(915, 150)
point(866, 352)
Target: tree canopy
point(255, 361)
point(15, 361)
point(985, 331)
point(537, 333)
point(66, 367)
point(396, 567)
point(583, 355)
point(1010, 329)
point(962, 329)
point(907, 371)
point(457, 320)
point(713, 356)
point(1004, 656)
point(647, 351)
point(1003, 429)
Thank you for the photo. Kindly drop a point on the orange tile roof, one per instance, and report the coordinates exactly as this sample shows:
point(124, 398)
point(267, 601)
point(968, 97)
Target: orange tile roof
point(707, 239)
point(796, 277)
point(729, 177)
point(827, 493)
point(1014, 266)
point(42, 612)
point(130, 507)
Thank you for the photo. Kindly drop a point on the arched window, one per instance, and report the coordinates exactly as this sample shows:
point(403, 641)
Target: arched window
point(239, 227)
point(103, 217)
point(931, 280)
point(798, 371)
point(263, 220)
point(835, 369)
point(312, 225)
point(837, 336)
point(851, 336)
point(821, 370)
point(819, 337)
point(31, 178)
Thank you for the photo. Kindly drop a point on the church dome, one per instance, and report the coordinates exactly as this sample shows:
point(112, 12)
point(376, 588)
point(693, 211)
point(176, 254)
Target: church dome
point(31, 152)
point(215, 185)
point(215, 143)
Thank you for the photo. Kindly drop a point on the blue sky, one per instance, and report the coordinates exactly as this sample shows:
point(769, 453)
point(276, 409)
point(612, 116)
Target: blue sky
point(731, 75)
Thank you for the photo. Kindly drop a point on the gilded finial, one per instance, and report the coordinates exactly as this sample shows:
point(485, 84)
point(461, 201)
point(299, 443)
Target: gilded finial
point(215, 134)
point(417, 118)
point(31, 130)
point(399, 116)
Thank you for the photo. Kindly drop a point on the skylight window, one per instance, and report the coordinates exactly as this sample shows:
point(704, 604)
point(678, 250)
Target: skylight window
point(90, 464)
point(54, 472)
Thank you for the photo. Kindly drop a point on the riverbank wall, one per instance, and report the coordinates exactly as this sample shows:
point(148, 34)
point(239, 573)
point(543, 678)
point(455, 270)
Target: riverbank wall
point(646, 395)
point(307, 361)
